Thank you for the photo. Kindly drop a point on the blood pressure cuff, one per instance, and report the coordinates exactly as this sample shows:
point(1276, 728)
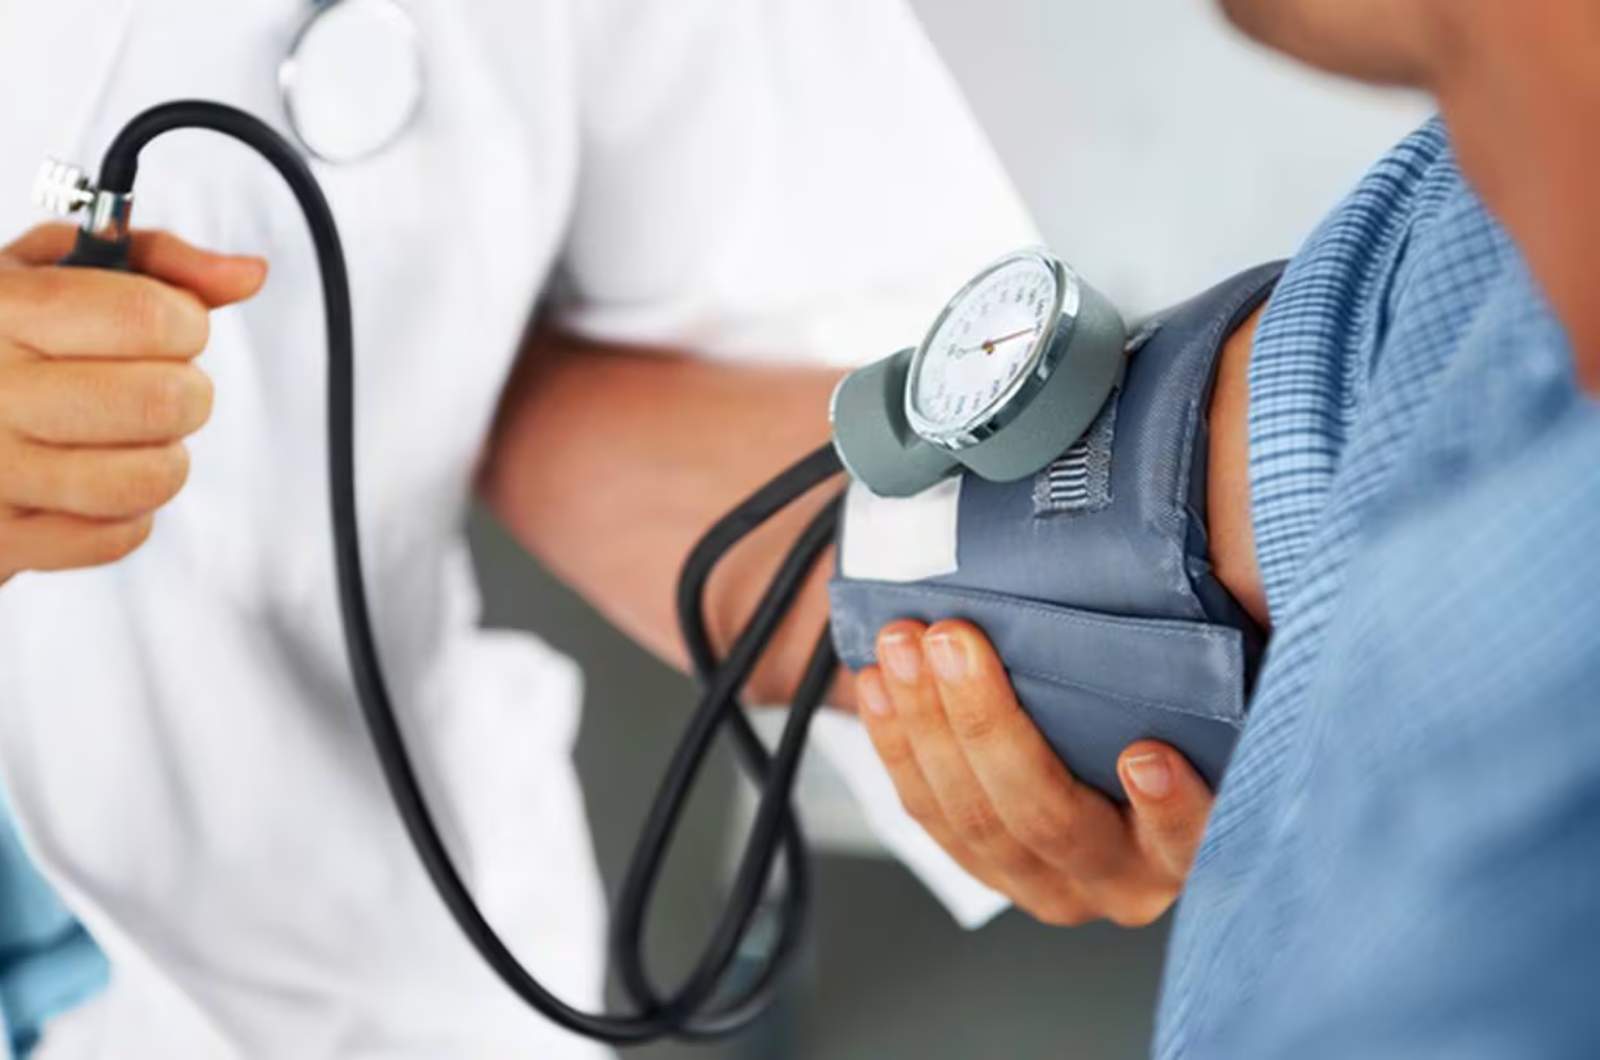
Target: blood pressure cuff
point(1091, 578)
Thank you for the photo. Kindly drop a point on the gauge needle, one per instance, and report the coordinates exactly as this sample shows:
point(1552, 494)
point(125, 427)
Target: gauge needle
point(989, 347)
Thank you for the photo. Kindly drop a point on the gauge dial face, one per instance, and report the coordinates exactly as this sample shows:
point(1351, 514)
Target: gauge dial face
point(985, 342)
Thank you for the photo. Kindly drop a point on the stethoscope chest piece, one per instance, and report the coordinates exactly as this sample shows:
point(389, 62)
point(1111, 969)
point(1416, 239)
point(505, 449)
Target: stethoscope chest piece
point(352, 83)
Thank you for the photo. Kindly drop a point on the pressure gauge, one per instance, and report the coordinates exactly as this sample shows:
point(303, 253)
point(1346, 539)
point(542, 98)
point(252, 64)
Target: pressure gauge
point(1012, 372)
point(986, 347)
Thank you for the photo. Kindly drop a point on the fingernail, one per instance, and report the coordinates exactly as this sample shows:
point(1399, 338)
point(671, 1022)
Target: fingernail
point(873, 696)
point(902, 655)
point(1150, 774)
point(947, 655)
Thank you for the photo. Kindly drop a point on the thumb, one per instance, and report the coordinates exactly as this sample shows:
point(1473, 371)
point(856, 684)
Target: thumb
point(1170, 804)
point(216, 279)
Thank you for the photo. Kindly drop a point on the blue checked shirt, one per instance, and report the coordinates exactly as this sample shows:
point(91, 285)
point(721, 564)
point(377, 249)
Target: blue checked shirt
point(1404, 858)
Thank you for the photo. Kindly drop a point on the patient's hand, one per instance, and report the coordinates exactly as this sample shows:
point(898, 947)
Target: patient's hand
point(974, 771)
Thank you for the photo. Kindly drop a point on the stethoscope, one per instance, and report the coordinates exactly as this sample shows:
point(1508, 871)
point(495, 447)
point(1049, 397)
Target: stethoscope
point(352, 82)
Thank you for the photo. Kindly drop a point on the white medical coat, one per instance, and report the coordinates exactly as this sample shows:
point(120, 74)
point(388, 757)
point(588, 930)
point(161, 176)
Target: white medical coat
point(779, 179)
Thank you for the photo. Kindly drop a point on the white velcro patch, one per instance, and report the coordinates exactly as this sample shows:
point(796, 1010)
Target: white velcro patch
point(900, 539)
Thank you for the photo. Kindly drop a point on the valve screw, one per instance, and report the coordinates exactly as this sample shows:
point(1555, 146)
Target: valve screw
point(62, 188)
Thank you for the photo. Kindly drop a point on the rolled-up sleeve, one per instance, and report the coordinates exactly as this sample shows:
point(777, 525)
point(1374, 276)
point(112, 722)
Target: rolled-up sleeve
point(774, 179)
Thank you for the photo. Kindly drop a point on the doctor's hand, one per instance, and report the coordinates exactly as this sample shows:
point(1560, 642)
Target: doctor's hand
point(973, 770)
point(97, 391)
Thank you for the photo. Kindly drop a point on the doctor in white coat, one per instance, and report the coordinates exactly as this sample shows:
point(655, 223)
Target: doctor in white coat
point(700, 197)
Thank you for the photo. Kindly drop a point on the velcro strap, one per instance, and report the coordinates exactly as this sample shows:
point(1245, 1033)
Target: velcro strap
point(1080, 479)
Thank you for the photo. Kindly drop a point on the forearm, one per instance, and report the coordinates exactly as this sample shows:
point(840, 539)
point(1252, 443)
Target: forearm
point(608, 464)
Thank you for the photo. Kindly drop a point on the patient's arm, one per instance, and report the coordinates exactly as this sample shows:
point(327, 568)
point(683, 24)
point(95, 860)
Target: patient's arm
point(1228, 526)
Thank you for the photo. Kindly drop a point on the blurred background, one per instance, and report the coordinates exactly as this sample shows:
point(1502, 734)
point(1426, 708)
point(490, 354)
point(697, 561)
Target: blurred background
point(1159, 153)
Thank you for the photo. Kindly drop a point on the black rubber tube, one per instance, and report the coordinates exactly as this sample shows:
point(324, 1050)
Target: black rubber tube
point(688, 1011)
point(719, 707)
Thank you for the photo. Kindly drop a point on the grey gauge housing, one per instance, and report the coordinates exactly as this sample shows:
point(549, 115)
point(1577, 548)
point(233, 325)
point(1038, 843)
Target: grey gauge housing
point(1071, 367)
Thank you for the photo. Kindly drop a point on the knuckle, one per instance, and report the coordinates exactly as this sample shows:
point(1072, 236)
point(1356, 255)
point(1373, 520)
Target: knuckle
point(193, 327)
point(1141, 911)
point(154, 479)
point(1175, 835)
point(141, 309)
point(169, 321)
point(16, 400)
point(117, 542)
point(13, 467)
point(175, 400)
point(1096, 864)
point(176, 461)
point(1173, 838)
point(38, 231)
point(37, 243)
point(974, 725)
point(976, 822)
point(44, 291)
point(1126, 919)
point(1058, 912)
point(46, 229)
point(1016, 862)
point(160, 243)
point(896, 754)
point(919, 808)
point(161, 402)
point(49, 478)
point(1046, 831)
point(201, 396)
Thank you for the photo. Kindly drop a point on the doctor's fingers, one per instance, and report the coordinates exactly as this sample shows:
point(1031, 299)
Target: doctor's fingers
point(96, 314)
point(84, 402)
point(920, 715)
point(46, 541)
point(1067, 823)
point(93, 483)
point(215, 279)
point(1169, 804)
point(966, 806)
point(1079, 833)
point(1028, 882)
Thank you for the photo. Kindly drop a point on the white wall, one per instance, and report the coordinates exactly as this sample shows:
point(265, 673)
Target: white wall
point(1159, 150)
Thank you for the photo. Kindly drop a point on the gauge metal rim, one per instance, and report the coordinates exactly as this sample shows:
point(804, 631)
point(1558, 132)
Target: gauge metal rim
point(1048, 350)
